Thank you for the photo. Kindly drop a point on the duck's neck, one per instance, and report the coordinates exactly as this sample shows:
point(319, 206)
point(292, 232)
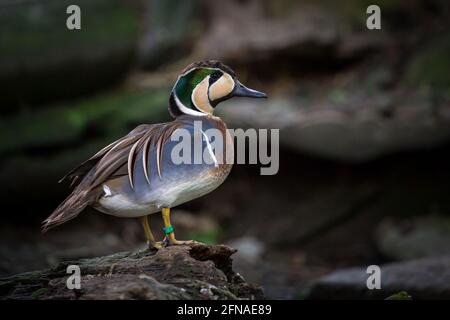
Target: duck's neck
point(177, 108)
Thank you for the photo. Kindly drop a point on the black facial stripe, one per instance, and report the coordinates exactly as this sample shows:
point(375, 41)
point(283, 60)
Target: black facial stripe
point(214, 77)
point(216, 102)
point(174, 111)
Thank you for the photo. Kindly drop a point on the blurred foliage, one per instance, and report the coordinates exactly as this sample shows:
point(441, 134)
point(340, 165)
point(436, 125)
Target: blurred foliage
point(430, 66)
point(402, 295)
point(354, 11)
point(172, 29)
point(41, 60)
point(40, 147)
point(38, 293)
point(109, 114)
point(209, 237)
point(39, 27)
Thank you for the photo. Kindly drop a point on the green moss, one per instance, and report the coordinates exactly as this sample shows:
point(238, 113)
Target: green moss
point(302, 295)
point(402, 295)
point(28, 277)
point(110, 114)
point(41, 27)
point(338, 96)
point(38, 293)
point(39, 148)
point(430, 67)
point(209, 237)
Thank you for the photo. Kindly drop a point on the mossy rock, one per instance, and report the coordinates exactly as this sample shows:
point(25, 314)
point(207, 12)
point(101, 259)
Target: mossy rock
point(171, 30)
point(402, 295)
point(429, 67)
point(354, 11)
point(110, 114)
point(41, 60)
point(39, 148)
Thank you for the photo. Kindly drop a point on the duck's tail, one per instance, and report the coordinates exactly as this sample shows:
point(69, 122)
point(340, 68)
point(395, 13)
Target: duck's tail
point(67, 210)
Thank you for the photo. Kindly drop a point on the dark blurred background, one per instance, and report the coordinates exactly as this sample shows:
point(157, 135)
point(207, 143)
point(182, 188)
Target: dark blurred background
point(364, 119)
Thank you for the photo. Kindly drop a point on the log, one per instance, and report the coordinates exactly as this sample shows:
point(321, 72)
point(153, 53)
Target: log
point(198, 271)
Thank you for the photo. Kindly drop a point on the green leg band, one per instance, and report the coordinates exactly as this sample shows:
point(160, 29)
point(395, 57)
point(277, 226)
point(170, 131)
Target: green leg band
point(168, 230)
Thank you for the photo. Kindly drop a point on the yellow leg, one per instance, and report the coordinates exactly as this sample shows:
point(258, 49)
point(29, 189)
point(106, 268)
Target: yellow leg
point(168, 229)
point(152, 244)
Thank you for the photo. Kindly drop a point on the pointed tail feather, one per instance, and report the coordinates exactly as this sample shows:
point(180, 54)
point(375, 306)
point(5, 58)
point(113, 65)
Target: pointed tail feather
point(67, 210)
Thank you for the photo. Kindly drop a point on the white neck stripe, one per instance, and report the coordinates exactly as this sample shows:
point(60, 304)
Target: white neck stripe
point(210, 151)
point(185, 109)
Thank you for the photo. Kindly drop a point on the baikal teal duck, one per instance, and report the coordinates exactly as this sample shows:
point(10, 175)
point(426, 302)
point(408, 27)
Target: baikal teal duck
point(136, 176)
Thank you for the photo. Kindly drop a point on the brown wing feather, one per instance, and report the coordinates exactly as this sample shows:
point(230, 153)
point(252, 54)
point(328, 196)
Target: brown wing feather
point(131, 159)
point(145, 149)
point(120, 159)
point(82, 169)
point(160, 148)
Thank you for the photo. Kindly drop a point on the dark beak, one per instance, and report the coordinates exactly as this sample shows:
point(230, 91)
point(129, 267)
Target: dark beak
point(242, 91)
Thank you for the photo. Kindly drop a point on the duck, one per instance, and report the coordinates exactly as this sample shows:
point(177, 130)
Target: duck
point(136, 175)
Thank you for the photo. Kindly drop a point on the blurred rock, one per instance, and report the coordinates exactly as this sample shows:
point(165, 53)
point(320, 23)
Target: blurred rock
point(248, 248)
point(298, 214)
point(178, 272)
point(171, 29)
point(357, 128)
point(41, 60)
point(278, 277)
point(27, 248)
point(257, 30)
point(414, 238)
point(429, 66)
point(423, 279)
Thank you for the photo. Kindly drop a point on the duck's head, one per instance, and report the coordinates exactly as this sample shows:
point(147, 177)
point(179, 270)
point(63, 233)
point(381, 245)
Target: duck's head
point(204, 84)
